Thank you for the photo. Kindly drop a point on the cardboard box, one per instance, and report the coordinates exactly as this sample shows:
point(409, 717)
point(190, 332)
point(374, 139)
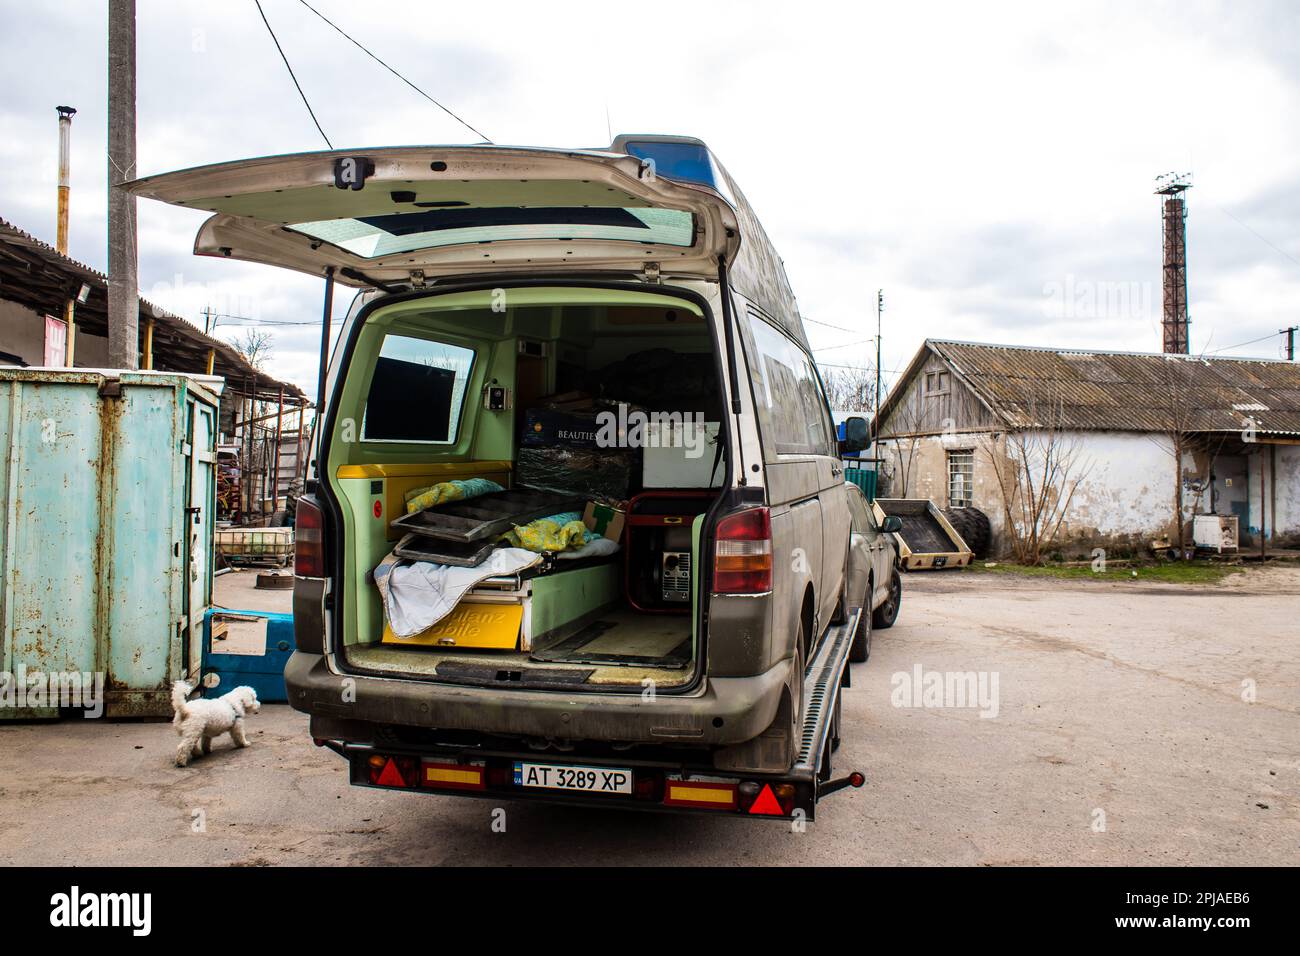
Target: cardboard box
point(604, 520)
point(548, 428)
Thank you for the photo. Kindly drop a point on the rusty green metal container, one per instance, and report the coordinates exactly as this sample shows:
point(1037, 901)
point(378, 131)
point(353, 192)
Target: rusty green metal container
point(107, 495)
point(864, 478)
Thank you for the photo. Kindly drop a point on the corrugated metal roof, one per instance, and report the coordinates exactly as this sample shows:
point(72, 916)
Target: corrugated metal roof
point(35, 274)
point(1128, 391)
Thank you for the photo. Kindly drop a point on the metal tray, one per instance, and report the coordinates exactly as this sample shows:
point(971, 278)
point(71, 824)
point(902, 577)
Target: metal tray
point(460, 554)
point(486, 516)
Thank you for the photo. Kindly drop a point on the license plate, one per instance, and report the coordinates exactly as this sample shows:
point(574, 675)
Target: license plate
point(550, 776)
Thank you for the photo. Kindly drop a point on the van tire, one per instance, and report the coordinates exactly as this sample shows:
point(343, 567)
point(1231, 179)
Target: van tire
point(841, 612)
point(861, 649)
point(885, 615)
point(796, 687)
point(838, 616)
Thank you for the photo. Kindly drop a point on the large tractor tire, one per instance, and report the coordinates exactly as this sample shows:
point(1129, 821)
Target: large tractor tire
point(973, 525)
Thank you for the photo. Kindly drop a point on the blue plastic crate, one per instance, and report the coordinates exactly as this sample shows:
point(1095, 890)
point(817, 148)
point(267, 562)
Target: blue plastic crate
point(263, 672)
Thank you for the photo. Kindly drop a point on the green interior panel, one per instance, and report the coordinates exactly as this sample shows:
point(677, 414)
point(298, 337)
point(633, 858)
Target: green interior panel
point(559, 599)
point(369, 545)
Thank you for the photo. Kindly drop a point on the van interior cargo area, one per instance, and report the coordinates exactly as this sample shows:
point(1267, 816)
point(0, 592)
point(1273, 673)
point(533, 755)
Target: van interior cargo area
point(477, 423)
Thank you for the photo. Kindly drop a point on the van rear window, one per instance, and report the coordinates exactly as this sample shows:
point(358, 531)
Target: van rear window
point(417, 391)
point(374, 237)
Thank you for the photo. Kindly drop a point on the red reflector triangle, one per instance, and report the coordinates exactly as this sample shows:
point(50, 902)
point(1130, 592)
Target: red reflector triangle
point(766, 803)
point(390, 776)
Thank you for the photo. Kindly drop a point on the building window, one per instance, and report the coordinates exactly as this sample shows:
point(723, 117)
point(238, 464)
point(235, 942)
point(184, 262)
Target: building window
point(936, 383)
point(961, 479)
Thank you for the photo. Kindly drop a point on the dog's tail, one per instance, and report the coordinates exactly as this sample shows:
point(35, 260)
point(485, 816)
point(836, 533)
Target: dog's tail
point(180, 693)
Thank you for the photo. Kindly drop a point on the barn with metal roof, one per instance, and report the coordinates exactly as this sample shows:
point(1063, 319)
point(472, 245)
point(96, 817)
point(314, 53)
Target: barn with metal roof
point(1136, 427)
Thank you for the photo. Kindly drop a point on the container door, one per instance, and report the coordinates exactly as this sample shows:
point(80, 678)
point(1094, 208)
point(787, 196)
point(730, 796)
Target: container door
point(199, 504)
point(50, 507)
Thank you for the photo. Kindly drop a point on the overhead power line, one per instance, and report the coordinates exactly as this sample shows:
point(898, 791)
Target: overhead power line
point(291, 76)
point(1264, 239)
point(838, 328)
point(345, 35)
point(844, 345)
point(1242, 344)
point(858, 368)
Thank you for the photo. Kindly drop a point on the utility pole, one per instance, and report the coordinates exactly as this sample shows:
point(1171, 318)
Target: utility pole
point(875, 431)
point(1290, 341)
point(123, 283)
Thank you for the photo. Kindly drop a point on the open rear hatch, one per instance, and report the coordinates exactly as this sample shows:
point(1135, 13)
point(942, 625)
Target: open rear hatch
point(407, 215)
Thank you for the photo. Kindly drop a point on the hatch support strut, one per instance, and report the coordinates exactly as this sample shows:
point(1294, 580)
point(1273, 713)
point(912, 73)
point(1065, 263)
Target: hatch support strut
point(324, 353)
point(733, 378)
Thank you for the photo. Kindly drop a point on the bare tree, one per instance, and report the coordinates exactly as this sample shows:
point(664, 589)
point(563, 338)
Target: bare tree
point(255, 457)
point(255, 346)
point(850, 389)
point(1177, 410)
point(905, 427)
point(1038, 469)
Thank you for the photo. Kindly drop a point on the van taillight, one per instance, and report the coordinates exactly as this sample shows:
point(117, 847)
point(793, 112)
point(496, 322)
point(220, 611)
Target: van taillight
point(308, 540)
point(743, 553)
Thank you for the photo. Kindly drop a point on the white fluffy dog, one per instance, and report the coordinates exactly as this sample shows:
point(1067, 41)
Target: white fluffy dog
point(199, 721)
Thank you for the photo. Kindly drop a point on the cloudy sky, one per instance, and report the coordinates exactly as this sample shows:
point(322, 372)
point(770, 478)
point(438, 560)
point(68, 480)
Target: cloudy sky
point(990, 166)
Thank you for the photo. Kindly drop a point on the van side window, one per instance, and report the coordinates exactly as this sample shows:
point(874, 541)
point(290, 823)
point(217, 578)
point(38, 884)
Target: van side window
point(417, 391)
point(791, 409)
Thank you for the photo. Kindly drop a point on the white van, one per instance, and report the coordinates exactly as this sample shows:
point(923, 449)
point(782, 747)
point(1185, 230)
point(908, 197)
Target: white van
point(604, 336)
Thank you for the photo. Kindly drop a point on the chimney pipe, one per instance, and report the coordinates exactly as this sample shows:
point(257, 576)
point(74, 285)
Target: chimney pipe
point(1175, 322)
point(65, 134)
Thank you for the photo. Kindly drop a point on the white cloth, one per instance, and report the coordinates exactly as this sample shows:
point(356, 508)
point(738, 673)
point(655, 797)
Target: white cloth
point(419, 594)
point(596, 548)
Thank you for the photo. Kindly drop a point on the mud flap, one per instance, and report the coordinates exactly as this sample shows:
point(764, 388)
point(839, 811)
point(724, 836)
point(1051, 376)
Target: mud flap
point(772, 751)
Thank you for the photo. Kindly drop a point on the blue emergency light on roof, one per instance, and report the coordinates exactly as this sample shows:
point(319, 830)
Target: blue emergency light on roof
point(684, 160)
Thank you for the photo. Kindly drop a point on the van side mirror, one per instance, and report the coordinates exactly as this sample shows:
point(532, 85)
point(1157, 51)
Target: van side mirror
point(892, 524)
point(855, 437)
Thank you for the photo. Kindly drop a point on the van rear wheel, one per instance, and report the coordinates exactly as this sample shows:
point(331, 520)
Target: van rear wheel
point(796, 696)
point(887, 613)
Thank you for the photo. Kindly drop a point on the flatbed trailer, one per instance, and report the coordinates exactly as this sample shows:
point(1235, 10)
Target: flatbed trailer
point(927, 541)
point(660, 781)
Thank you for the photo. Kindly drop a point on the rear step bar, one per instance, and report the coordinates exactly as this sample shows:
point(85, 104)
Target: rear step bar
point(478, 770)
point(824, 677)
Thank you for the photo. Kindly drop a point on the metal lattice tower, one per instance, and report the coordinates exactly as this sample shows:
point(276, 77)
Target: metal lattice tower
point(1175, 323)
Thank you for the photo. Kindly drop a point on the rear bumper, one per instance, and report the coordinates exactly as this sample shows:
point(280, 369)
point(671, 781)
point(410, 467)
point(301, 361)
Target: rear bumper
point(728, 710)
